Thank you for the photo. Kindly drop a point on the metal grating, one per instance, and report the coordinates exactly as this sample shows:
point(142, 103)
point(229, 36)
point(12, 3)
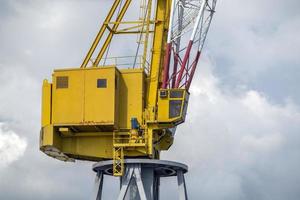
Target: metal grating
point(62, 82)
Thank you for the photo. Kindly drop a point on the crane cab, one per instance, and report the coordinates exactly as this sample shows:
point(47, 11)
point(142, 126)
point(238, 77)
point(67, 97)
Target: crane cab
point(172, 106)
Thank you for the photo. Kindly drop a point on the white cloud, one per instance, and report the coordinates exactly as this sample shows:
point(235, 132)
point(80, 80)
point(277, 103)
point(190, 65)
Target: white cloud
point(12, 147)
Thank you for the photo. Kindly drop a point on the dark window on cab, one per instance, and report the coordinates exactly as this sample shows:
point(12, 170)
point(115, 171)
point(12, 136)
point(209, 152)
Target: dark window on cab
point(101, 83)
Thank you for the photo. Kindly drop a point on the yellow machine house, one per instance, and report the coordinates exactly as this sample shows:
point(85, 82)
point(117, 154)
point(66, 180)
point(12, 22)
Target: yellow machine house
point(86, 103)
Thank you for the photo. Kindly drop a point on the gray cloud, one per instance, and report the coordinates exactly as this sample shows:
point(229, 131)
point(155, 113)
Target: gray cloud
point(255, 43)
point(241, 136)
point(240, 146)
point(11, 146)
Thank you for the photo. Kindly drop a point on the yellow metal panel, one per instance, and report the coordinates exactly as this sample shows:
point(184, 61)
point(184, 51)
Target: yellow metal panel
point(96, 147)
point(163, 109)
point(86, 146)
point(131, 99)
point(68, 101)
point(49, 137)
point(46, 103)
point(81, 104)
point(100, 103)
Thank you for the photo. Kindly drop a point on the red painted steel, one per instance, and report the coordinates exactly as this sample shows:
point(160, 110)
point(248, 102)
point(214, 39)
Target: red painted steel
point(176, 60)
point(188, 84)
point(166, 66)
point(184, 62)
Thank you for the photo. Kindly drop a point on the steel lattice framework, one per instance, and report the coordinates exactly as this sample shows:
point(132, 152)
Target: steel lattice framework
point(189, 23)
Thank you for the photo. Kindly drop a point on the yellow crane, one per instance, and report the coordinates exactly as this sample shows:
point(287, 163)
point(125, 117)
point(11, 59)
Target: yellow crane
point(108, 110)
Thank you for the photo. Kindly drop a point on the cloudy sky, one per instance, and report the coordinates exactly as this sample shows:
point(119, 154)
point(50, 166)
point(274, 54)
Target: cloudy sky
point(242, 135)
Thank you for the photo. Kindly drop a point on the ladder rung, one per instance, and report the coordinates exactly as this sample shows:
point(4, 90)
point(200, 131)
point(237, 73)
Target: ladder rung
point(129, 144)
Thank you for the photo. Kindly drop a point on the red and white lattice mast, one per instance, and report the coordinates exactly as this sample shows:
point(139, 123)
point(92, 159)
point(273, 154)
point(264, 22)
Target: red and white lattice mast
point(189, 23)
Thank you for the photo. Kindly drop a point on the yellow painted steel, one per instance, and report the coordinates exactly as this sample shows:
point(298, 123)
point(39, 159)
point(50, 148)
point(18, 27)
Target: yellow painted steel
point(46, 103)
point(106, 112)
point(172, 105)
point(85, 116)
point(101, 100)
point(49, 138)
point(64, 109)
point(145, 17)
point(100, 33)
point(132, 96)
point(83, 103)
point(118, 164)
point(80, 102)
point(114, 28)
point(159, 40)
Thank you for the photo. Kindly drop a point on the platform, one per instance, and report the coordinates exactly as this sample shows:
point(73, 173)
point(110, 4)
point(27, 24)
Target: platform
point(141, 179)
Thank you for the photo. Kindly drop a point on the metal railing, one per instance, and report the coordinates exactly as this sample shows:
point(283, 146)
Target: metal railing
point(127, 62)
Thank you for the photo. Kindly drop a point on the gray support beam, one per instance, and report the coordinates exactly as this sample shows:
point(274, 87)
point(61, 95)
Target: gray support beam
point(139, 182)
point(98, 186)
point(126, 179)
point(156, 188)
point(181, 186)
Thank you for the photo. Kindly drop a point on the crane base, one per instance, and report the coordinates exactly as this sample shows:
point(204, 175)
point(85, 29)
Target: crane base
point(141, 178)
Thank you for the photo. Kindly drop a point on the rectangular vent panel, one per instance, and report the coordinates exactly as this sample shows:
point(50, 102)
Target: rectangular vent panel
point(62, 82)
